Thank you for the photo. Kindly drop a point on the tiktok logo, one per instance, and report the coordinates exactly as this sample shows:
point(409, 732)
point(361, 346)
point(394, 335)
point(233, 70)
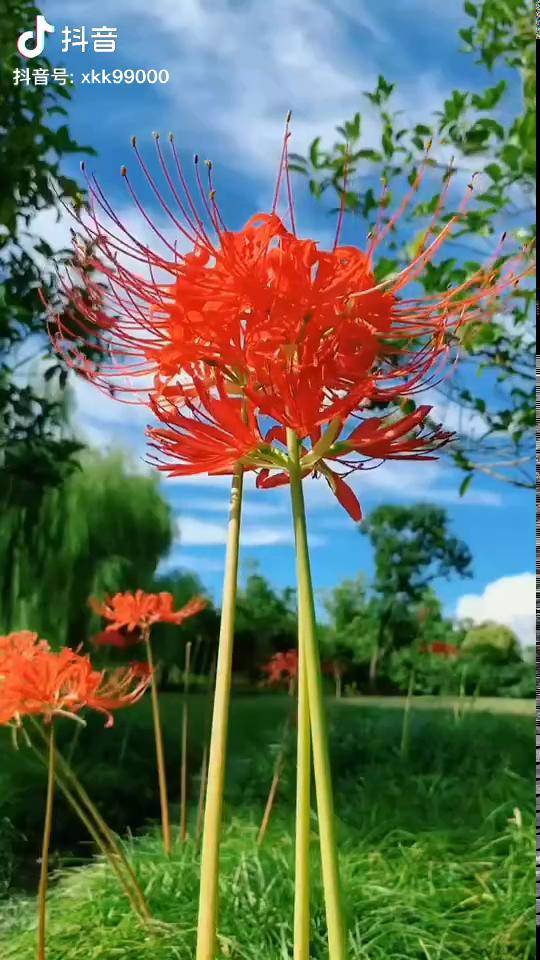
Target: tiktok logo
point(24, 42)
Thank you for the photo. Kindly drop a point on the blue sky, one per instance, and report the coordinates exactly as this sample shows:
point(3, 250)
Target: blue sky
point(236, 67)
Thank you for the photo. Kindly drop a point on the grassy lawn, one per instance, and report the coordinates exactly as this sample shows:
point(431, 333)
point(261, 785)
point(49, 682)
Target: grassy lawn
point(437, 846)
point(524, 707)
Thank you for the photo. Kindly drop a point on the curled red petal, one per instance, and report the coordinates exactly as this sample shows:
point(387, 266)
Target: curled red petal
point(266, 480)
point(346, 497)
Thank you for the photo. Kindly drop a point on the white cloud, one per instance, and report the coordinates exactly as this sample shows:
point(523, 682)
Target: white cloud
point(236, 68)
point(194, 532)
point(250, 507)
point(453, 416)
point(198, 563)
point(508, 600)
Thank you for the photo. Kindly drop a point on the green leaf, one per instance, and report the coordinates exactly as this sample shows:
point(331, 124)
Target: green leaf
point(490, 97)
point(314, 152)
point(373, 155)
point(494, 171)
point(387, 141)
point(465, 484)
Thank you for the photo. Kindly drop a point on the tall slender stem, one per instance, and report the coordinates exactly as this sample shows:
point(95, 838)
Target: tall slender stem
point(65, 775)
point(278, 768)
point(113, 858)
point(337, 938)
point(47, 828)
point(406, 728)
point(202, 794)
point(303, 809)
point(185, 734)
point(209, 888)
point(160, 752)
point(204, 761)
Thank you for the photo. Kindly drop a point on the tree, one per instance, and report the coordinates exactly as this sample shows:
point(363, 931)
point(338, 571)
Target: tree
point(492, 643)
point(493, 131)
point(104, 529)
point(494, 662)
point(34, 452)
point(350, 633)
point(430, 664)
point(201, 631)
point(413, 546)
point(265, 623)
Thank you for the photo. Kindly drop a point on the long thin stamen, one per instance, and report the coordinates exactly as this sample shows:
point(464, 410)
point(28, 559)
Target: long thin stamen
point(282, 161)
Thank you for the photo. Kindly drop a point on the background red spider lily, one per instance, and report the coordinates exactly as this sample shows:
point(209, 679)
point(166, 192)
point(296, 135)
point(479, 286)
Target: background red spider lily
point(138, 611)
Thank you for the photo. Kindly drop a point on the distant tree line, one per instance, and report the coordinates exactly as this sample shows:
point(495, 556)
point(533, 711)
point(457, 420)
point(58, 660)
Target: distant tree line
point(107, 528)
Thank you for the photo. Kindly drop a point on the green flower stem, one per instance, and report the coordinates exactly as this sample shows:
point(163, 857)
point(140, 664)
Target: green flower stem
point(107, 852)
point(160, 751)
point(337, 937)
point(204, 762)
point(303, 811)
point(183, 762)
point(47, 829)
point(209, 884)
point(406, 728)
point(107, 842)
point(278, 769)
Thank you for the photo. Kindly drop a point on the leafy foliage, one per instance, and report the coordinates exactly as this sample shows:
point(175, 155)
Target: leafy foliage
point(169, 641)
point(492, 643)
point(265, 623)
point(104, 529)
point(494, 132)
point(34, 140)
point(413, 545)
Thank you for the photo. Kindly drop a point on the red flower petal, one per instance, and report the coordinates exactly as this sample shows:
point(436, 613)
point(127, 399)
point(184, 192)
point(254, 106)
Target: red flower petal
point(346, 497)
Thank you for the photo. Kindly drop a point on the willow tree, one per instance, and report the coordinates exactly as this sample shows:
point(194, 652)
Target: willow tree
point(104, 529)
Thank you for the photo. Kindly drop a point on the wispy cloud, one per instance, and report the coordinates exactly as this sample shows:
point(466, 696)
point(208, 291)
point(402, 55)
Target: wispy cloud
point(237, 68)
point(178, 559)
point(194, 532)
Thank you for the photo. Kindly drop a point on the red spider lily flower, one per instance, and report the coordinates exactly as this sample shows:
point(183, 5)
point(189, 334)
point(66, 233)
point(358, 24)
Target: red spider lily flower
point(282, 667)
point(253, 332)
point(51, 684)
point(114, 638)
point(21, 642)
point(440, 649)
point(376, 438)
point(140, 610)
point(208, 433)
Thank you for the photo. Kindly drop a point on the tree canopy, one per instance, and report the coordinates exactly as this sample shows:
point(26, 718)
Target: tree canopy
point(34, 142)
point(104, 529)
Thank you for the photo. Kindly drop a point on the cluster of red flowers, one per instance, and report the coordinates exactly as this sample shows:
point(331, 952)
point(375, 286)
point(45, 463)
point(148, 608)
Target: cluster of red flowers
point(282, 668)
point(258, 331)
point(35, 680)
point(131, 615)
point(440, 649)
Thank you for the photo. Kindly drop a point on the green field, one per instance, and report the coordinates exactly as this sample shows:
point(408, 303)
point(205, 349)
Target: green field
point(437, 846)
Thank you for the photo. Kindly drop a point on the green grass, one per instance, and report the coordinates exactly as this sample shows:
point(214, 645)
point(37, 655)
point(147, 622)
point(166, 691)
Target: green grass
point(436, 863)
point(522, 707)
point(421, 895)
